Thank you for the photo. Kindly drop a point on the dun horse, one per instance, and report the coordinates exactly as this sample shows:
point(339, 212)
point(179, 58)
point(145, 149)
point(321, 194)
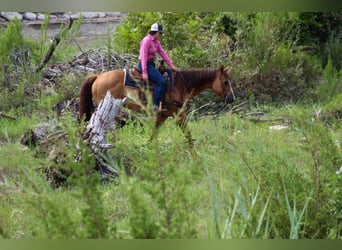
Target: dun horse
point(186, 84)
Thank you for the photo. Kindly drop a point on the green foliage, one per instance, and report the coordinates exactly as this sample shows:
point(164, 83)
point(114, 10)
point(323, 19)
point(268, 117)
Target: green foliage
point(266, 61)
point(241, 179)
point(334, 51)
point(16, 58)
point(12, 40)
point(160, 197)
point(265, 48)
point(128, 35)
point(316, 29)
point(186, 36)
point(334, 108)
point(19, 84)
point(330, 85)
point(64, 52)
point(73, 213)
point(323, 146)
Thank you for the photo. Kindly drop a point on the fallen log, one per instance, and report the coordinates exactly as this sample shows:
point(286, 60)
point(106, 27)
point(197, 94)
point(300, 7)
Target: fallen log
point(2, 114)
point(285, 120)
point(101, 121)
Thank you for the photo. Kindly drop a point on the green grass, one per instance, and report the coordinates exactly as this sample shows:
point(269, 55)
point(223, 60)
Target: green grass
point(241, 180)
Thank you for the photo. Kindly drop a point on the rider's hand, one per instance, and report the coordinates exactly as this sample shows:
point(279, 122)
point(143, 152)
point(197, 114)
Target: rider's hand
point(145, 77)
point(175, 69)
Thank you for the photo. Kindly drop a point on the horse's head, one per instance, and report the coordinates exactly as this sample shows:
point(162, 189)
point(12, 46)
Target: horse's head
point(222, 86)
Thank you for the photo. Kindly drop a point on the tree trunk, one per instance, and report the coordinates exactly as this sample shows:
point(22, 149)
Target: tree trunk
point(100, 122)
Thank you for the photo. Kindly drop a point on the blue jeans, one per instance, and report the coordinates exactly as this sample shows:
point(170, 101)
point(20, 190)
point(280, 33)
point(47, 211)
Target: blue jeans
point(155, 76)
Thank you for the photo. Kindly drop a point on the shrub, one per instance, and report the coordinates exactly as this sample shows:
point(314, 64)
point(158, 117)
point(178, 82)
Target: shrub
point(266, 61)
point(160, 195)
point(330, 85)
point(263, 48)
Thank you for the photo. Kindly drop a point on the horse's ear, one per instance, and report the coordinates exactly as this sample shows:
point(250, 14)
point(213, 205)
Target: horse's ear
point(222, 68)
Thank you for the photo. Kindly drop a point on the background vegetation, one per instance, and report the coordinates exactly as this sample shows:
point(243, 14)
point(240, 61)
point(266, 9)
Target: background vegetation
point(242, 179)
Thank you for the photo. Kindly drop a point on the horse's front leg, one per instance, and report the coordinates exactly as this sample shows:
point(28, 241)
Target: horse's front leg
point(181, 122)
point(159, 121)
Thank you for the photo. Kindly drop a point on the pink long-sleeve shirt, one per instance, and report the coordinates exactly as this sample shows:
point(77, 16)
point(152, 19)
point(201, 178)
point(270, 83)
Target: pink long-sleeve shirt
point(149, 46)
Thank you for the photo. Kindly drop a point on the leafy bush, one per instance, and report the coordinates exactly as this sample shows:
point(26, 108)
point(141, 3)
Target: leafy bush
point(317, 30)
point(266, 62)
point(16, 70)
point(330, 86)
point(19, 83)
point(186, 36)
point(263, 48)
point(334, 51)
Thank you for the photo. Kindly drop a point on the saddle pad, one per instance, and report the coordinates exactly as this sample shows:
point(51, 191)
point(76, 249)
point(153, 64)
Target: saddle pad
point(129, 81)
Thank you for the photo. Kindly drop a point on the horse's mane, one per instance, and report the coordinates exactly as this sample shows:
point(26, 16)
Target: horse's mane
point(194, 78)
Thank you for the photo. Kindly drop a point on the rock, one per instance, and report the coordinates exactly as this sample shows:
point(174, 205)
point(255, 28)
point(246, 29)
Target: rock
point(65, 16)
point(278, 127)
point(29, 16)
point(39, 134)
point(59, 16)
point(89, 15)
point(101, 14)
point(12, 15)
point(113, 14)
point(41, 17)
point(75, 16)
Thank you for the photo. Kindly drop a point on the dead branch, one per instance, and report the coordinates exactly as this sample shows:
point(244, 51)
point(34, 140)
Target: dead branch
point(2, 114)
point(91, 61)
point(285, 120)
point(56, 40)
point(237, 108)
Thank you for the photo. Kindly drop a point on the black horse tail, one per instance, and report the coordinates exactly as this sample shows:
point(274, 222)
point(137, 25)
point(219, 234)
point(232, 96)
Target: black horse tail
point(86, 106)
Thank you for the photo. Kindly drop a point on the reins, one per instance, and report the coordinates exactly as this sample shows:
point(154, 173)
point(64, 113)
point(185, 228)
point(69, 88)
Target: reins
point(181, 75)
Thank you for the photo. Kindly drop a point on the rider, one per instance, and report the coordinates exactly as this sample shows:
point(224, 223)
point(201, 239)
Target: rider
point(149, 46)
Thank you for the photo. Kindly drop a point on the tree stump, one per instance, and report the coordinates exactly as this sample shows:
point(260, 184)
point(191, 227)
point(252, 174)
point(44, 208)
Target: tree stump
point(101, 121)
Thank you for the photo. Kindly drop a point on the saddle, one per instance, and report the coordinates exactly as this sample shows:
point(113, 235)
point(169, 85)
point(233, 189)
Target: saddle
point(133, 78)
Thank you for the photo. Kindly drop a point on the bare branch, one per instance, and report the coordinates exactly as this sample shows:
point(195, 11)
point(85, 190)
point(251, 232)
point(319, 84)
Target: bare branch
point(56, 40)
point(2, 114)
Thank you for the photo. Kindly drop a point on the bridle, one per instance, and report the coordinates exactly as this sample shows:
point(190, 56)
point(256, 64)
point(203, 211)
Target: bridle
point(224, 79)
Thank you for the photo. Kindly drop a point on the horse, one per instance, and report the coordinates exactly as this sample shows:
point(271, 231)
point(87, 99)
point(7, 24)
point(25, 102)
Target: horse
point(186, 84)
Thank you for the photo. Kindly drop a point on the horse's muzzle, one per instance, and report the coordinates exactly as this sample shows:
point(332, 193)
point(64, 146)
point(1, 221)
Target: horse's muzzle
point(229, 98)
